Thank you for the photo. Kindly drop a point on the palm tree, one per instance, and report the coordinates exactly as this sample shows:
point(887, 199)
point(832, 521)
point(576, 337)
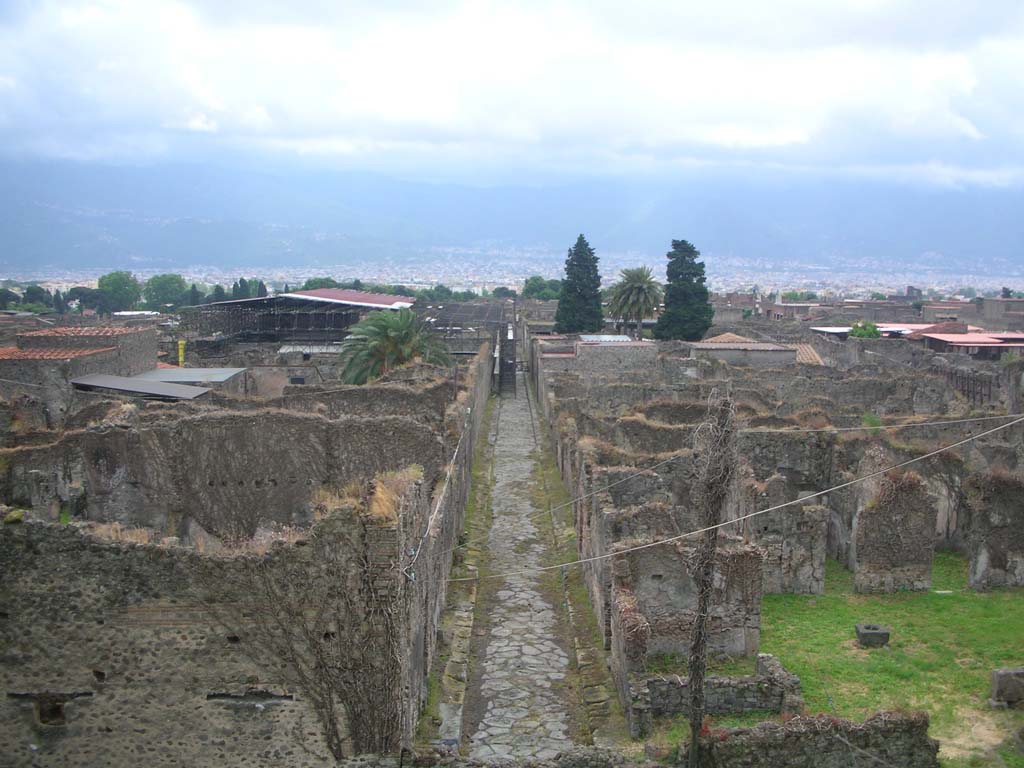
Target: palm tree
point(385, 340)
point(634, 297)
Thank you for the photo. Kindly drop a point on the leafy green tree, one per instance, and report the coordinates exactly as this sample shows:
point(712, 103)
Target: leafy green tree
point(688, 311)
point(261, 289)
point(35, 294)
point(864, 329)
point(579, 305)
point(1006, 293)
point(799, 296)
point(319, 282)
point(634, 297)
point(162, 291)
point(90, 298)
point(502, 292)
point(878, 296)
point(536, 287)
point(120, 290)
point(8, 297)
point(219, 293)
point(195, 296)
point(59, 304)
point(386, 340)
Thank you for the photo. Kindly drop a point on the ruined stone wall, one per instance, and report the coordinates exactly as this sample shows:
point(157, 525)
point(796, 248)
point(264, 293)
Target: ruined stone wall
point(43, 389)
point(995, 538)
point(136, 351)
point(793, 540)
point(115, 636)
point(228, 472)
point(656, 586)
point(771, 689)
point(823, 741)
point(894, 537)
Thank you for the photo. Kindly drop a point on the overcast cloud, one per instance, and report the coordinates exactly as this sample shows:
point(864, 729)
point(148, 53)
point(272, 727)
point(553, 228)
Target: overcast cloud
point(912, 91)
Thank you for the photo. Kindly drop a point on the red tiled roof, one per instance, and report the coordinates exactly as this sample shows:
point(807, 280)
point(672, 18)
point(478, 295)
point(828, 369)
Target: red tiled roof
point(86, 330)
point(58, 353)
point(358, 298)
point(807, 354)
point(729, 338)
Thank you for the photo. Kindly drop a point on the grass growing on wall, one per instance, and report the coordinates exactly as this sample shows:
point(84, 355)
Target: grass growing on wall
point(942, 651)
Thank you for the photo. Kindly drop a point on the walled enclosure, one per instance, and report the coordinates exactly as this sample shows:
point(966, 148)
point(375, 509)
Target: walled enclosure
point(771, 689)
point(823, 741)
point(630, 428)
point(166, 651)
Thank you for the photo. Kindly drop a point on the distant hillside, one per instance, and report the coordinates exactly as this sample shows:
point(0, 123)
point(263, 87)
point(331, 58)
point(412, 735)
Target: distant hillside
point(64, 215)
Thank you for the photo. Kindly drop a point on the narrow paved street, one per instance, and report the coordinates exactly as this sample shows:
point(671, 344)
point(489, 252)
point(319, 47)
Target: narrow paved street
point(522, 668)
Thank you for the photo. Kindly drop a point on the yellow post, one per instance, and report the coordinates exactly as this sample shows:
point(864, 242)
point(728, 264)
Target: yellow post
point(181, 352)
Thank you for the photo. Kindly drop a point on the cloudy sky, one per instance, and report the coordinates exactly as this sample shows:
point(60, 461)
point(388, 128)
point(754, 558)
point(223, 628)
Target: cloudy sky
point(925, 91)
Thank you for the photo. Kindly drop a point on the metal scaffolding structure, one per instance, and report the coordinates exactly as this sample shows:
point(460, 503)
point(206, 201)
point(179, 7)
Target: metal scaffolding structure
point(273, 318)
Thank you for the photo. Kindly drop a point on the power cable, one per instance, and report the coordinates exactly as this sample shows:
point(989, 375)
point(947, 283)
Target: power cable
point(794, 502)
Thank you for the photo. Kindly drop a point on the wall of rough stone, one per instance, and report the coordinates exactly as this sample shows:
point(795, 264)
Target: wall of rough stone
point(117, 632)
point(770, 689)
point(147, 633)
point(42, 386)
point(655, 586)
point(893, 539)
point(229, 472)
point(823, 741)
point(136, 351)
point(995, 537)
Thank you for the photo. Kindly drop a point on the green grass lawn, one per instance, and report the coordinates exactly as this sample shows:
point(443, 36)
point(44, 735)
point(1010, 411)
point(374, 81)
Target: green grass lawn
point(942, 650)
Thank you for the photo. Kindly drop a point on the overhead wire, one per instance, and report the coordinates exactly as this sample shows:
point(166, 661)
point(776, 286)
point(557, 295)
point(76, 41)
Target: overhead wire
point(644, 470)
point(742, 518)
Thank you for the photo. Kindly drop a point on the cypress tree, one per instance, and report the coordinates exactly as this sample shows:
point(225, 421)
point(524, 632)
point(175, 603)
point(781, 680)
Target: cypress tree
point(688, 310)
point(579, 305)
point(261, 289)
point(195, 298)
point(219, 294)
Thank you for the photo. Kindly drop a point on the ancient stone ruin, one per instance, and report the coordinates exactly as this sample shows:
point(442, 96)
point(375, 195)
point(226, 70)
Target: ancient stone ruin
point(233, 581)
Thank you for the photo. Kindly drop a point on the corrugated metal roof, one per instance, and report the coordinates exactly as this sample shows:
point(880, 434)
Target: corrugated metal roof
point(310, 349)
point(355, 298)
point(157, 389)
point(973, 339)
point(55, 353)
point(189, 375)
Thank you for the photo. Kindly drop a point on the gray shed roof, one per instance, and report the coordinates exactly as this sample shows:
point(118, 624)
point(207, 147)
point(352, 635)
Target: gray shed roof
point(134, 386)
point(189, 375)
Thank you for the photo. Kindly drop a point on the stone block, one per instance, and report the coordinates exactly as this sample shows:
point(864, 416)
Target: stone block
point(1007, 687)
point(872, 635)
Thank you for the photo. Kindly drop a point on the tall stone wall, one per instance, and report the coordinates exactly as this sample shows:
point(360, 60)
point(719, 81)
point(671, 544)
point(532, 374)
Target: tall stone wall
point(823, 741)
point(995, 538)
point(114, 657)
point(229, 472)
point(654, 587)
point(894, 537)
